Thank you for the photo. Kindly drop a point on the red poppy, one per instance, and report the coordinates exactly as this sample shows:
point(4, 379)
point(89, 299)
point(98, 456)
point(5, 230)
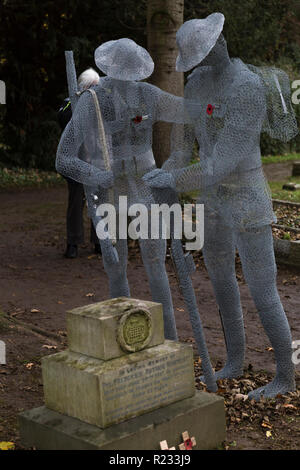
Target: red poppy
point(137, 119)
point(188, 444)
point(210, 109)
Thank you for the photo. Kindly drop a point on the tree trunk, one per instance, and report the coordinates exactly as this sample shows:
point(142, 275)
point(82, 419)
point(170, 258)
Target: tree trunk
point(164, 18)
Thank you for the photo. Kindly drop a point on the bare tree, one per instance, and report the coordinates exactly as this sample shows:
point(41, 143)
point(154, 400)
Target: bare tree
point(164, 17)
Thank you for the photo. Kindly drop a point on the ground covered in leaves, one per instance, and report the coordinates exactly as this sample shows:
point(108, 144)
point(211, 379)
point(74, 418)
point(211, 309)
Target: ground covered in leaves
point(38, 285)
point(288, 222)
point(269, 424)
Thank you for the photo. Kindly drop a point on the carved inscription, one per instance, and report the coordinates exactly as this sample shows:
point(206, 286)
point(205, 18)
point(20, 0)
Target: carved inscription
point(145, 386)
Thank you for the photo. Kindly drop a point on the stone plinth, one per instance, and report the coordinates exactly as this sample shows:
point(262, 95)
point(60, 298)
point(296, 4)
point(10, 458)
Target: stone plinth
point(107, 392)
point(203, 416)
point(121, 386)
point(96, 330)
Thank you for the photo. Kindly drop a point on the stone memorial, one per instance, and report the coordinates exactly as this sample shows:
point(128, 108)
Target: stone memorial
point(296, 169)
point(118, 380)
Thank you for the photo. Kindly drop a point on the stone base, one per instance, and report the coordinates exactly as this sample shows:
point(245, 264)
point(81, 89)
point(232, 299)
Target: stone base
point(287, 252)
point(203, 416)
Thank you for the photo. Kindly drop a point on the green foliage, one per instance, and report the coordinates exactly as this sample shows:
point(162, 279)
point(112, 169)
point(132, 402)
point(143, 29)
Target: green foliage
point(284, 194)
point(21, 178)
point(254, 29)
point(35, 34)
point(287, 236)
point(289, 157)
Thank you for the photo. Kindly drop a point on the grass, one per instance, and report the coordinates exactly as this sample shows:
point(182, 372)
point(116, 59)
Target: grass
point(281, 158)
point(283, 194)
point(22, 178)
point(276, 189)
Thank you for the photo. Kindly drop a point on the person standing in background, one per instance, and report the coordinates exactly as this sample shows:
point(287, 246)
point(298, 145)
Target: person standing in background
point(75, 230)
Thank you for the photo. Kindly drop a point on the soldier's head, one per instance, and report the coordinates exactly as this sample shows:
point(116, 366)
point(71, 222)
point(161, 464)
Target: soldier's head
point(201, 42)
point(124, 60)
point(218, 55)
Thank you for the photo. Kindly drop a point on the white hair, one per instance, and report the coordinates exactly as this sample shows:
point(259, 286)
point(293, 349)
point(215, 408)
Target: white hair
point(87, 79)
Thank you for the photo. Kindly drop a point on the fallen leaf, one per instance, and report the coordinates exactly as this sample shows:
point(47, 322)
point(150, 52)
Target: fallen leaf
point(240, 396)
point(7, 445)
point(47, 346)
point(29, 366)
point(89, 295)
point(34, 310)
point(266, 425)
point(268, 434)
point(287, 405)
point(248, 382)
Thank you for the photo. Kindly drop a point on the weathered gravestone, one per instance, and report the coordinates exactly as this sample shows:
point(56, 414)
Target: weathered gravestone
point(296, 169)
point(118, 381)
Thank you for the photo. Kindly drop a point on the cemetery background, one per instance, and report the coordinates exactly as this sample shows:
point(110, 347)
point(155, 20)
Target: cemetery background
point(257, 32)
point(38, 286)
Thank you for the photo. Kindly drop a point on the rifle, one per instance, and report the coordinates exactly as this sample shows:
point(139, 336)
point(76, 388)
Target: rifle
point(71, 79)
point(184, 267)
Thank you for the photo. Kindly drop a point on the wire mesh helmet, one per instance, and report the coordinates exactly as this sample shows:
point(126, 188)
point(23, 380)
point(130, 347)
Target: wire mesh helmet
point(196, 38)
point(123, 59)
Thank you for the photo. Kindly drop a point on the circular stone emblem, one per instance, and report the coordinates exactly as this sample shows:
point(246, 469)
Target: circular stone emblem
point(135, 330)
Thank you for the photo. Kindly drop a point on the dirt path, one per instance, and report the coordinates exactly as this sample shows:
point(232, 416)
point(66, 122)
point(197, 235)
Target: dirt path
point(38, 285)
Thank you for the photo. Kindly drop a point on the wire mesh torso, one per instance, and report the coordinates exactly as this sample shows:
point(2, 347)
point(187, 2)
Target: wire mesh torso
point(228, 129)
point(129, 110)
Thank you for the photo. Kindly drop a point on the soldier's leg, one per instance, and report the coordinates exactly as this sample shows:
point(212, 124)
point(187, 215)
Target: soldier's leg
point(219, 257)
point(94, 239)
point(75, 232)
point(154, 255)
point(259, 267)
point(117, 273)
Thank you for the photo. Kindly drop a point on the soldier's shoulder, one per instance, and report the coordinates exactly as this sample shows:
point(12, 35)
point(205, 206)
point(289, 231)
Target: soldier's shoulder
point(247, 77)
point(147, 87)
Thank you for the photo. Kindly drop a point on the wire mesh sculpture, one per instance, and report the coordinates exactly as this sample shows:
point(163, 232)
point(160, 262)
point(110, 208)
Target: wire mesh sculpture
point(129, 109)
point(237, 103)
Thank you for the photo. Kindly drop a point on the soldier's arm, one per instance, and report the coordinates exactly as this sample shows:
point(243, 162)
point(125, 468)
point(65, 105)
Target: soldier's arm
point(182, 143)
point(238, 139)
point(76, 137)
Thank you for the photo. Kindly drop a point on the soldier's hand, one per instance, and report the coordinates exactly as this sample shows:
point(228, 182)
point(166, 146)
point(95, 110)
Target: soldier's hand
point(159, 178)
point(106, 180)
